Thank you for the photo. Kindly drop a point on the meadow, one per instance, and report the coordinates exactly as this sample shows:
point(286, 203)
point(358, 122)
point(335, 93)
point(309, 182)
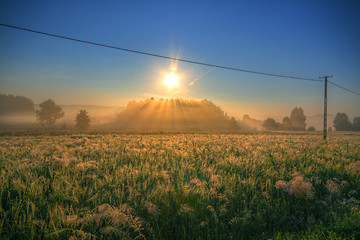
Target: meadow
point(180, 186)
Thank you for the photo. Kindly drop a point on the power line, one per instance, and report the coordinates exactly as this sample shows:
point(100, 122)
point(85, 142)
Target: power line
point(162, 56)
point(336, 85)
point(177, 59)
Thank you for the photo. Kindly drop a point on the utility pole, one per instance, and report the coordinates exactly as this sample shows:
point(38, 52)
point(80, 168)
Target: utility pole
point(325, 106)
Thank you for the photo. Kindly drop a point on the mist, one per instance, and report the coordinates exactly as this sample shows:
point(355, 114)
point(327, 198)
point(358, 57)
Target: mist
point(174, 115)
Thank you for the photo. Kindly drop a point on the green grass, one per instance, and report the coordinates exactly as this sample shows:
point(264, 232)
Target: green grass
point(182, 186)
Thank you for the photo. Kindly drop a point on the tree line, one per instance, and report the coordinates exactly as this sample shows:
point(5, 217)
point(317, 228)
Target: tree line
point(175, 114)
point(49, 112)
point(342, 123)
point(10, 104)
point(46, 115)
point(296, 122)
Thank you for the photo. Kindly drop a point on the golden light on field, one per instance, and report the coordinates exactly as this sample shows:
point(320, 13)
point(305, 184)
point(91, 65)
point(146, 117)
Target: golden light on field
point(171, 80)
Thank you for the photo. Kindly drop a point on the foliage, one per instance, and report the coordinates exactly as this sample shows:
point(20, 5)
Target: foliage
point(251, 124)
point(356, 124)
point(286, 123)
point(175, 115)
point(312, 129)
point(82, 120)
point(10, 104)
point(342, 122)
point(271, 124)
point(184, 186)
point(297, 119)
point(49, 112)
point(296, 122)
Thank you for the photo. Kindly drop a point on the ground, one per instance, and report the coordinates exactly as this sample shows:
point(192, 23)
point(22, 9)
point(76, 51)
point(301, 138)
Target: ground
point(179, 186)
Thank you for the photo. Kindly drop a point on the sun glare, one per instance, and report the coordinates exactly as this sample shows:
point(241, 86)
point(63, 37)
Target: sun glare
point(171, 80)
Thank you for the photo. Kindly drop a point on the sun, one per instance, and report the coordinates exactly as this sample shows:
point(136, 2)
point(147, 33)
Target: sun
point(171, 80)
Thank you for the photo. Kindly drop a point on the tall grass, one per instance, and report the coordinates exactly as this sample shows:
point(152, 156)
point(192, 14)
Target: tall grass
point(184, 186)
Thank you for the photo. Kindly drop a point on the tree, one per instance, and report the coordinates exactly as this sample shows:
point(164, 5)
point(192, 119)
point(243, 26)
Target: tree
point(246, 117)
point(341, 122)
point(311, 129)
point(356, 124)
point(49, 112)
point(10, 104)
point(297, 119)
point(271, 124)
point(82, 120)
point(286, 123)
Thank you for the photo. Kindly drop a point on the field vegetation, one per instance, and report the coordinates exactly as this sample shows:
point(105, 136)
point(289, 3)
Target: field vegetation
point(180, 186)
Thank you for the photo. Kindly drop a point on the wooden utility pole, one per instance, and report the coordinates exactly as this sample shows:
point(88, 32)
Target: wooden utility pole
point(325, 106)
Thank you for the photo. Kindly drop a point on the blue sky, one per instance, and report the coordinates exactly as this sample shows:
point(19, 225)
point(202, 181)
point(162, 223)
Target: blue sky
point(302, 38)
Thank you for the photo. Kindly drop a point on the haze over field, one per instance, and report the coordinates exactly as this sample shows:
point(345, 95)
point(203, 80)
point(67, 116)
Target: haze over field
point(175, 114)
point(150, 114)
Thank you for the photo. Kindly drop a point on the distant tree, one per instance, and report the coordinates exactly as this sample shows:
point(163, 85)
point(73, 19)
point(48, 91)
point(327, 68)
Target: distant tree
point(311, 129)
point(233, 124)
point(356, 124)
point(49, 112)
point(175, 114)
point(286, 123)
point(297, 118)
point(82, 120)
point(246, 117)
point(10, 104)
point(271, 124)
point(341, 122)
point(250, 124)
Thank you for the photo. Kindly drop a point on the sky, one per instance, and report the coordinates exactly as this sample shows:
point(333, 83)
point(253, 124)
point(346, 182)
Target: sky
point(299, 38)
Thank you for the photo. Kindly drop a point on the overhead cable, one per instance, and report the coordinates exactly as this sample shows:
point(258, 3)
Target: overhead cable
point(346, 89)
point(162, 56)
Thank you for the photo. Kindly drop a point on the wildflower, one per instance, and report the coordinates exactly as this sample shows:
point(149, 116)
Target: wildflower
point(354, 168)
point(223, 210)
point(186, 209)
point(332, 187)
point(116, 219)
point(60, 162)
point(197, 182)
point(203, 224)
point(298, 186)
point(71, 220)
point(315, 180)
point(235, 221)
point(86, 165)
point(266, 194)
point(152, 209)
point(296, 174)
point(213, 212)
point(214, 181)
point(282, 184)
point(228, 193)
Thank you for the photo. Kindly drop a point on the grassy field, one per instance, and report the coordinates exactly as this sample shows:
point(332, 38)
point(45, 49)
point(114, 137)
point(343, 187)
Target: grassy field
point(181, 186)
